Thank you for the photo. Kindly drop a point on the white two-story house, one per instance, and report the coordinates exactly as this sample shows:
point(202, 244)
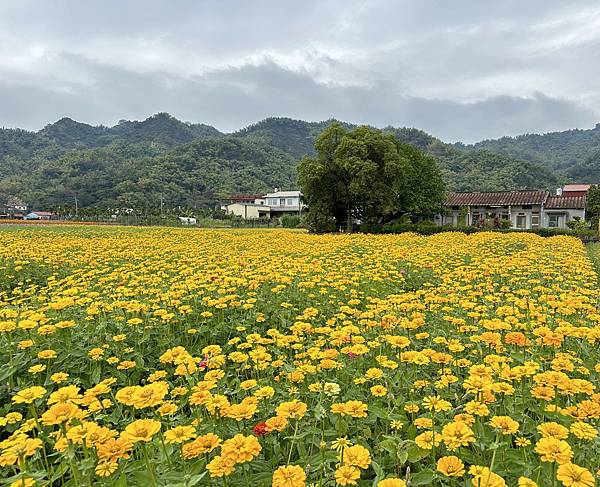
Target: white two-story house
point(270, 205)
point(284, 202)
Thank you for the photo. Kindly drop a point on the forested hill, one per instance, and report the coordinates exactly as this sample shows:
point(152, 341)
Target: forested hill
point(162, 129)
point(568, 152)
point(136, 163)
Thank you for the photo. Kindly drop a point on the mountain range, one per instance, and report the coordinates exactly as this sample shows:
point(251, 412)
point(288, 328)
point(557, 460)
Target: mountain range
point(138, 163)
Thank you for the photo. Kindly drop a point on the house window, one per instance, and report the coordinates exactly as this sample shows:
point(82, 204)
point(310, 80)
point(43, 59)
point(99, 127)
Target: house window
point(535, 220)
point(281, 201)
point(272, 202)
point(290, 202)
point(521, 221)
point(553, 221)
point(476, 217)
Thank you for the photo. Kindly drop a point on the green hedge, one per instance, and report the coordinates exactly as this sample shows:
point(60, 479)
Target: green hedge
point(291, 221)
point(431, 229)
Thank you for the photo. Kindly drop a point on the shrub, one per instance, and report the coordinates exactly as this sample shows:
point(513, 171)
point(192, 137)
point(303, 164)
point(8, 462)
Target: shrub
point(291, 221)
point(319, 222)
point(427, 228)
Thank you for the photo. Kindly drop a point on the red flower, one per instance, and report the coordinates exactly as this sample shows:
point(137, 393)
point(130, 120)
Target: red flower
point(260, 429)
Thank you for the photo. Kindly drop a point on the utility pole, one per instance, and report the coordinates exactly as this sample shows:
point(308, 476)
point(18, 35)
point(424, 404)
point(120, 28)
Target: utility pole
point(161, 206)
point(76, 206)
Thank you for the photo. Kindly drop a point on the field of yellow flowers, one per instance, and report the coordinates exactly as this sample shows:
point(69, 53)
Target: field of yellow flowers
point(187, 357)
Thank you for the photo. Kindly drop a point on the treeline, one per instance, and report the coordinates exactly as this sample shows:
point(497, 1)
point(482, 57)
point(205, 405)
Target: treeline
point(138, 164)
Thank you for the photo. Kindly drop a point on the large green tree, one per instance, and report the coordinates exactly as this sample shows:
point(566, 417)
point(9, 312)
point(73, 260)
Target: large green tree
point(592, 206)
point(366, 175)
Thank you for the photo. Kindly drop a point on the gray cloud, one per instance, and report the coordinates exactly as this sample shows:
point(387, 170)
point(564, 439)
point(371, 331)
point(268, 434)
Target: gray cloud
point(461, 70)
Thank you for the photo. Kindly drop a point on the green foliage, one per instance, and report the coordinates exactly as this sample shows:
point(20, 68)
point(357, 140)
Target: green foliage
point(369, 175)
point(558, 151)
point(485, 171)
point(578, 225)
point(291, 221)
point(587, 171)
point(139, 175)
point(295, 137)
point(319, 219)
point(161, 129)
point(429, 228)
point(593, 205)
point(191, 165)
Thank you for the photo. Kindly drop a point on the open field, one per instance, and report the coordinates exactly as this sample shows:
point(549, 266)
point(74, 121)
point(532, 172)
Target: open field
point(136, 356)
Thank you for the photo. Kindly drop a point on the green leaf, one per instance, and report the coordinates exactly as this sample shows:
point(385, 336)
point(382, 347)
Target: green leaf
point(424, 477)
point(341, 427)
point(402, 457)
point(121, 481)
point(319, 412)
point(378, 470)
point(390, 446)
point(7, 372)
point(415, 453)
point(64, 468)
point(196, 478)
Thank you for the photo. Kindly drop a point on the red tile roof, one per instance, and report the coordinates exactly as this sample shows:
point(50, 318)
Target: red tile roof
point(563, 202)
point(244, 196)
point(576, 187)
point(497, 198)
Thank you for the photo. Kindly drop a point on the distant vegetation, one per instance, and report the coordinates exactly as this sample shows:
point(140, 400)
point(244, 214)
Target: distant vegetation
point(135, 164)
point(571, 152)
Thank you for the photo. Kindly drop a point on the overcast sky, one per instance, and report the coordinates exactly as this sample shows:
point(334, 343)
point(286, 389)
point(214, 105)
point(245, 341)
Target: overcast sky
point(461, 70)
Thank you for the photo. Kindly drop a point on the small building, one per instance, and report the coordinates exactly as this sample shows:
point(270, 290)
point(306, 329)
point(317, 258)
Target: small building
point(248, 211)
point(558, 210)
point(15, 206)
point(270, 205)
point(284, 203)
point(573, 190)
point(244, 198)
point(39, 215)
point(523, 209)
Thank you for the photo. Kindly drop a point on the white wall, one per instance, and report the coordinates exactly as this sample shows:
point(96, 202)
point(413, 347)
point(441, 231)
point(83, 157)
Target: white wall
point(453, 217)
point(564, 216)
point(247, 212)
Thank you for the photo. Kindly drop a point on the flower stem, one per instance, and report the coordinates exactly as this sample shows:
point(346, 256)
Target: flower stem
point(148, 465)
point(293, 440)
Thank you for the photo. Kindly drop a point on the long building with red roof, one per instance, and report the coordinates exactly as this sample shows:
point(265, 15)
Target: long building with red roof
point(523, 209)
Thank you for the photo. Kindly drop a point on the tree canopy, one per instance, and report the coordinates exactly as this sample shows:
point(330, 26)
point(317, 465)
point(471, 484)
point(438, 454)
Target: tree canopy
point(367, 175)
point(592, 211)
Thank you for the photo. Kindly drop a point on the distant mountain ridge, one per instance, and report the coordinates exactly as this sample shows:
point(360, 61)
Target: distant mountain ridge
point(161, 128)
point(569, 151)
point(136, 163)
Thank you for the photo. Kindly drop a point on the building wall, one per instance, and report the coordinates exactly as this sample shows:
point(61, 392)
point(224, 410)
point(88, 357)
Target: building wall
point(564, 216)
point(527, 214)
point(455, 217)
point(517, 214)
point(247, 212)
point(291, 202)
